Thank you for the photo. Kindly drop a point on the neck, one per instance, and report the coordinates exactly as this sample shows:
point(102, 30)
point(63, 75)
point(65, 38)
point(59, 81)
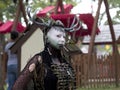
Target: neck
point(53, 51)
point(56, 55)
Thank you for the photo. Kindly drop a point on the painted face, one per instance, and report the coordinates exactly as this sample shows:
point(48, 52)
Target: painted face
point(56, 37)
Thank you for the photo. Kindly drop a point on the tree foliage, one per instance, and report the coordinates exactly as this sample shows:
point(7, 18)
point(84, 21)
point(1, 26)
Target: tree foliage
point(44, 3)
point(8, 7)
point(113, 4)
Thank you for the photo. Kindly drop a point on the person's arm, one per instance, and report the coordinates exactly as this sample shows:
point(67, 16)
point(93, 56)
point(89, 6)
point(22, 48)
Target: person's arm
point(26, 75)
point(5, 57)
point(4, 61)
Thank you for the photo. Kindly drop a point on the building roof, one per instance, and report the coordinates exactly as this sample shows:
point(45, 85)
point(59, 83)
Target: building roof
point(104, 37)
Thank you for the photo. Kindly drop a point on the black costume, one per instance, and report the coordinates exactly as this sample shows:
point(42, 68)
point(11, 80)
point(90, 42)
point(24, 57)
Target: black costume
point(47, 75)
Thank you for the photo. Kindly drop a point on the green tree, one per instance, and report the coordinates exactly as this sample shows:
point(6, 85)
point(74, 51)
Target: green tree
point(7, 9)
point(113, 4)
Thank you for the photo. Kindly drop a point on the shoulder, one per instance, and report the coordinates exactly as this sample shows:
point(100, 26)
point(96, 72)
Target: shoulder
point(8, 45)
point(37, 58)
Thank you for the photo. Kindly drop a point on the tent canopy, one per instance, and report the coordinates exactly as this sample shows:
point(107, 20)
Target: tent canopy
point(87, 19)
point(67, 19)
point(50, 9)
point(7, 26)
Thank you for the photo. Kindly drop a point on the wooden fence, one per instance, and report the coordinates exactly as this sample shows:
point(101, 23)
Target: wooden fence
point(100, 71)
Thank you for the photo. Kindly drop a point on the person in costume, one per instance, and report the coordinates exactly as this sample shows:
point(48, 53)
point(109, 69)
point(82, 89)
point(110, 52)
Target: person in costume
point(49, 69)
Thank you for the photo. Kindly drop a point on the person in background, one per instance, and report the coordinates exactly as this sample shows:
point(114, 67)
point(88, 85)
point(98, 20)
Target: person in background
point(11, 61)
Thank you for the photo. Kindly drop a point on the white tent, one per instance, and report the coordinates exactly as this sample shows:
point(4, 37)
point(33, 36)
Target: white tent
point(85, 6)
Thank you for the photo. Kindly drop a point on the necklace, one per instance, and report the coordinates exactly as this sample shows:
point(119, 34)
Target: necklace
point(55, 61)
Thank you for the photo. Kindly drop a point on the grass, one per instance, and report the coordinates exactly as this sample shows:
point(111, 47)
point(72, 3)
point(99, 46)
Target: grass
point(102, 88)
point(5, 87)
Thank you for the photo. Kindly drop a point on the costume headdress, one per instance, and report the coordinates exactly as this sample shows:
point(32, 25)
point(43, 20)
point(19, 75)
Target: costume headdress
point(48, 23)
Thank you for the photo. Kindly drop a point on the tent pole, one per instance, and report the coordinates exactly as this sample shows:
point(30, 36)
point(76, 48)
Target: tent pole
point(59, 3)
point(114, 43)
point(20, 8)
point(90, 49)
point(16, 18)
point(23, 11)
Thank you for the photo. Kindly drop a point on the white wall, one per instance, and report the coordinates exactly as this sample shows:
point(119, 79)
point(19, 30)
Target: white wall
point(32, 46)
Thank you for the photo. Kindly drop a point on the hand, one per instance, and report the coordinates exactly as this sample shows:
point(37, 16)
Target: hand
point(39, 59)
point(32, 67)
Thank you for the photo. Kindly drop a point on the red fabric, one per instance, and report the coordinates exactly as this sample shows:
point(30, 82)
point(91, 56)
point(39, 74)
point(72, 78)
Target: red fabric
point(6, 27)
point(67, 19)
point(85, 18)
point(43, 13)
point(45, 10)
point(1, 23)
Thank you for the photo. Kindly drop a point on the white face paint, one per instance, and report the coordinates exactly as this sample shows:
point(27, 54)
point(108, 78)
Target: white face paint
point(56, 38)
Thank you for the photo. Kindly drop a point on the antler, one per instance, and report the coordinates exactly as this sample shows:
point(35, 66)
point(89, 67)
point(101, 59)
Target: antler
point(33, 18)
point(76, 24)
point(29, 13)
